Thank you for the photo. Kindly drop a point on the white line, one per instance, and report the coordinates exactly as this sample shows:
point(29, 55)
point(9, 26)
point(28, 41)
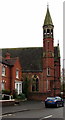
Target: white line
point(9, 114)
point(2, 116)
point(48, 116)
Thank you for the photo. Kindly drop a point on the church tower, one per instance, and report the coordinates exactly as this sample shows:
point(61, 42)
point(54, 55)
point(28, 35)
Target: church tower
point(48, 53)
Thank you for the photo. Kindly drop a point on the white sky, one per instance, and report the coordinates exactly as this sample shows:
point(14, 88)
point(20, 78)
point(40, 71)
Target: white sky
point(21, 22)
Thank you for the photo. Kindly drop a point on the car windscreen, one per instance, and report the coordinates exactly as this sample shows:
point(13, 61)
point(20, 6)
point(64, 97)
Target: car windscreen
point(52, 98)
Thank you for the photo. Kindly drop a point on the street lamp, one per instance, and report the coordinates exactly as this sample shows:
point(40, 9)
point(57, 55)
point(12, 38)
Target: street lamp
point(63, 77)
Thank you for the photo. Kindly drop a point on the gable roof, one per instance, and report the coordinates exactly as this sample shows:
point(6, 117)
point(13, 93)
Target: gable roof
point(9, 62)
point(31, 59)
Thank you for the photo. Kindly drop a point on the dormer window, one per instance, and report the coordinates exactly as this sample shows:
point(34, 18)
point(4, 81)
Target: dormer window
point(17, 74)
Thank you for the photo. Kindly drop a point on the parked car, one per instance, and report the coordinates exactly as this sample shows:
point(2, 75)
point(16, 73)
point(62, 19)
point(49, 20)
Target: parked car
point(6, 97)
point(54, 102)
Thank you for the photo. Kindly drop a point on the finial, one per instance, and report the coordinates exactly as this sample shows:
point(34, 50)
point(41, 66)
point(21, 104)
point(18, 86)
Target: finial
point(47, 5)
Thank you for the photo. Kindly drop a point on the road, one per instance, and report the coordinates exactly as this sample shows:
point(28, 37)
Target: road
point(33, 109)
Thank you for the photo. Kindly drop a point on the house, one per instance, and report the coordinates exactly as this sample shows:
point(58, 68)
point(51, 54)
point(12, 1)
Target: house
point(11, 75)
point(41, 65)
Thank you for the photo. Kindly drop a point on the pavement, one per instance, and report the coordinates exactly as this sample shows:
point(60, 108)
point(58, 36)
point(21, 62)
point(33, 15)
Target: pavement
point(22, 106)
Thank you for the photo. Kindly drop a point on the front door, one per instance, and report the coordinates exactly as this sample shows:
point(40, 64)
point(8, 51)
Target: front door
point(18, 87)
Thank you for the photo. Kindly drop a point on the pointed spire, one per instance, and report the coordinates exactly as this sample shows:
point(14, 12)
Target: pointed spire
point(48, 20)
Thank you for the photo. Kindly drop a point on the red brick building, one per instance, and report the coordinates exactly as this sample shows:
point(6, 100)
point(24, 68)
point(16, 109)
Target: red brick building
point(41, 65)
point(11, 74)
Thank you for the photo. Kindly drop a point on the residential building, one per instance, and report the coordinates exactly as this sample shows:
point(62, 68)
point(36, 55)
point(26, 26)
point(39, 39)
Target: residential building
point(11, 74)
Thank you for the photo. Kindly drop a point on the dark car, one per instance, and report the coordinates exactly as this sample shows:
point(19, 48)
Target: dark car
point(54, 102)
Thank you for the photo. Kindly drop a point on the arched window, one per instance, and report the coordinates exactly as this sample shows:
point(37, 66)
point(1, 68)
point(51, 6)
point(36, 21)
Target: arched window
point(35, 83)
point(51, 31)
point(48, 31)
point(48, 71)
point(44, 31)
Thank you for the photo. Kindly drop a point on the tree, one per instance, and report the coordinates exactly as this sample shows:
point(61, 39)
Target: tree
point(25, 86)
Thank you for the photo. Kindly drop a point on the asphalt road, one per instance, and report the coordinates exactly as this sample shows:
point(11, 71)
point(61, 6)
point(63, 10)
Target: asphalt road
point(33, 111)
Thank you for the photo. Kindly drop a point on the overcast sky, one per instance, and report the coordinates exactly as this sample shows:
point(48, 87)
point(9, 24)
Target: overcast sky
point(21, 22)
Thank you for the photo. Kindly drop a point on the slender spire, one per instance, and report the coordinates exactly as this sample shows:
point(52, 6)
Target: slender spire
point(48, 20)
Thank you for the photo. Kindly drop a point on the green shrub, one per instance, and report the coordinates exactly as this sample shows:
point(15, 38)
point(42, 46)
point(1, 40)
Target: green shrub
point(21, 96)
point(6, 92)
point(14, 93)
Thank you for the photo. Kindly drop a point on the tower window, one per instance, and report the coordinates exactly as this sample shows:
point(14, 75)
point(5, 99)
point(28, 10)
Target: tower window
point(48, 71)
point(47, 84)
point(44, 31)
point(48, 31)
point(51, 31)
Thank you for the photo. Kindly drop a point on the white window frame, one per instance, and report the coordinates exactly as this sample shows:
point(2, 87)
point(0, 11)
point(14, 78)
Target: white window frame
point(17, 74)
point(3, 86)
point(3, 70)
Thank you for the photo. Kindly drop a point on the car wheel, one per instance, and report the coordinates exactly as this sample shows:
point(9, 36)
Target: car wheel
point(62, 104)
point(46, 106)
point(57, 105)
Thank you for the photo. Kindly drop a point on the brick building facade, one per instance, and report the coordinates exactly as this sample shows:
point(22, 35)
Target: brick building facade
point(11, 74)
point(41, 65)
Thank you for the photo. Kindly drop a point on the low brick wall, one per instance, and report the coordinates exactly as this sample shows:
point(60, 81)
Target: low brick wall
point(38, 96)
point(7, 102)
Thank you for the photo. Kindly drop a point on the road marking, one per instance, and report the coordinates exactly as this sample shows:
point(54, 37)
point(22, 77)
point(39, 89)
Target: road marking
point(2, 116)
point(5, 115)
point(48, 116)
point(9, 114)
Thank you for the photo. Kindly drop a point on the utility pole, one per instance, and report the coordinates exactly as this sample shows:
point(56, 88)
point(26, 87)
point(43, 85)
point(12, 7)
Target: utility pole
point(63, 76)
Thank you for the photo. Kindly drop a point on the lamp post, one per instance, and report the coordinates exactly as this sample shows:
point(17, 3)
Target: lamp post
point(63, 77)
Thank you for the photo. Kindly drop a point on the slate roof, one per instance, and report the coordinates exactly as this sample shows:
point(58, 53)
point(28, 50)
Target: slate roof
point(48, 20)
point(31, 59)
point(8, 62)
